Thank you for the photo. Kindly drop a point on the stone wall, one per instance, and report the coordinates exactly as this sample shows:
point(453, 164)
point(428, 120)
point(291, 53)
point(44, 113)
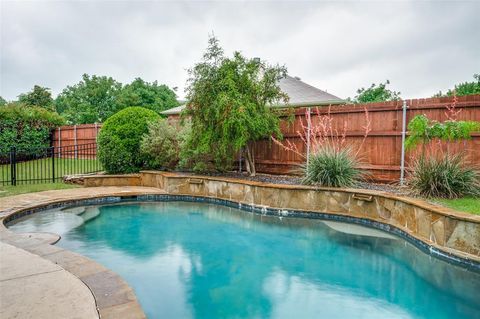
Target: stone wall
point(109, 180)
point(449, 231)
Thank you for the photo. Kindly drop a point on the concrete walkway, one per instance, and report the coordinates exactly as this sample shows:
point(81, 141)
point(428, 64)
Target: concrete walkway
point(33, 287)
point(38, 280)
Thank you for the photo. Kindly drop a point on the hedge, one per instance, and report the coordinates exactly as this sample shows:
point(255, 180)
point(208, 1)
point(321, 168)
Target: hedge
point(120, 137)
point(26, 127)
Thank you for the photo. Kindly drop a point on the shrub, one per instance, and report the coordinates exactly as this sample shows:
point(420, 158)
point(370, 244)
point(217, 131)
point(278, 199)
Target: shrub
point(333, 167)
point(444, 177)
point(26, 127)
point(423, 130)
point(120, 137)
point(195, 159)
point(161, 146)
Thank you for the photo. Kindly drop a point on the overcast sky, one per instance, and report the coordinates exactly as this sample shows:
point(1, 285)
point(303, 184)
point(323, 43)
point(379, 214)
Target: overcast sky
point(421, 47)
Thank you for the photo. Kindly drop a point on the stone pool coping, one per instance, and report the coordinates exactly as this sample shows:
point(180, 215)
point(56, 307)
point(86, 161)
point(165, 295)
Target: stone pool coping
point(113, 297)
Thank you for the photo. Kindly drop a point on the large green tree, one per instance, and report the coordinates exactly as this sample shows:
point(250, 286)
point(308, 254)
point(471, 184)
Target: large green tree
point(148, 95)
point(376, 93)
point(464, 88)
point(39, 96)
point(91, 100)
point(96, 98)
point(2, 101)
point(228, 102)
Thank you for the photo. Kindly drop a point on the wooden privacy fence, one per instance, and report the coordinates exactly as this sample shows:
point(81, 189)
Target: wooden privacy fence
point(75, 136)
point(380, 152)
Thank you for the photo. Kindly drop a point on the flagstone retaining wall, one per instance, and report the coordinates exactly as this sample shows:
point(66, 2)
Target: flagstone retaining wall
point(444, 231)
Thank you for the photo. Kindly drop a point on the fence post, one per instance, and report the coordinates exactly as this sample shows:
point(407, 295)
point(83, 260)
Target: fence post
point(309, 127)
point(59, 141)
point(53, 163)
point(404, 133)
point(13, 165)
point(75, 140)
point(96, 132)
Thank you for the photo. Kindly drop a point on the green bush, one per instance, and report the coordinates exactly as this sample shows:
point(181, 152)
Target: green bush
point(120, 137)
point(26, 127)
point(197, 159)
point(332, 167)
point(161, 146)
point(444, 177)
point(423, 130)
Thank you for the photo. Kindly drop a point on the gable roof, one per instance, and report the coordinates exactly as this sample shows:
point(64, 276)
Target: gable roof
point(300, 93)
point(303, 94)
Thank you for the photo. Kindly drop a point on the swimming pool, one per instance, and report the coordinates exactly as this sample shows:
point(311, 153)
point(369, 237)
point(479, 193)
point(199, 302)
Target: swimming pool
point(198, 260)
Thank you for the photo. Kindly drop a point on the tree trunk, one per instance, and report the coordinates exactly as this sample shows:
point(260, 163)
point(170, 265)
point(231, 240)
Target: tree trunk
point(250, 161)
point(240, 156)
point(247, 163)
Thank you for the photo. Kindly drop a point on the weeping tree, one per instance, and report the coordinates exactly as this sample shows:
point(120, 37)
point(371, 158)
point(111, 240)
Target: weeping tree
point(228, 103)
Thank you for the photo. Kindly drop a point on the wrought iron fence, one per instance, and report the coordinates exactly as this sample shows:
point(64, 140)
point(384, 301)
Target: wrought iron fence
point(46, 165)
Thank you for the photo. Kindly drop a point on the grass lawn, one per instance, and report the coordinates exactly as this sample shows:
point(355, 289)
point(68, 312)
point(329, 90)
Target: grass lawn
point(467, 204)
point(41, 169)
point(31, 188)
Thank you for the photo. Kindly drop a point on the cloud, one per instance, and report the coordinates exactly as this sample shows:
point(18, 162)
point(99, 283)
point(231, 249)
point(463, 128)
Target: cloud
point(421, 47)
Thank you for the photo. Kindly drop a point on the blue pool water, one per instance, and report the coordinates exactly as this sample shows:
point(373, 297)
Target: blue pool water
point(196, 260)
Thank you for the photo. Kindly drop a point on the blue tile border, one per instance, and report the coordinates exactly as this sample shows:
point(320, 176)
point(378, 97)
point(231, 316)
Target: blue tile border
point(256, 209)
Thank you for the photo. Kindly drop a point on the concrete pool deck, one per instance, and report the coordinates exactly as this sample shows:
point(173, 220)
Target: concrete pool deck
point(38, 280)
point(33, 287)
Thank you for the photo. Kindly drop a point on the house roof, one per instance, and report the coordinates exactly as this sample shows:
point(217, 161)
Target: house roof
point(303, 94)
point(174, 110)
point(300, 94)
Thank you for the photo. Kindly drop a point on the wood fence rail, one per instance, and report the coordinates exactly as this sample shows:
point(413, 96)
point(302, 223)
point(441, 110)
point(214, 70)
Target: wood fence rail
point(380, 152)
point(71, 135)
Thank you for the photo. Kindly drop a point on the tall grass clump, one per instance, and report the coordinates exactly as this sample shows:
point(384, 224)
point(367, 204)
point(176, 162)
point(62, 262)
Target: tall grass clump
point(444, 176)
point(332, 167)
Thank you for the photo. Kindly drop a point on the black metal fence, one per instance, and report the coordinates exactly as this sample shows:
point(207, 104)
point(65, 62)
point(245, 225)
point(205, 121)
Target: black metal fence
point(47, 165)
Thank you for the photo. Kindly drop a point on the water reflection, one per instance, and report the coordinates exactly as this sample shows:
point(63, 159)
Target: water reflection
point(55, 221)
point(172, 269)
point(205, 261)
point(289, 293)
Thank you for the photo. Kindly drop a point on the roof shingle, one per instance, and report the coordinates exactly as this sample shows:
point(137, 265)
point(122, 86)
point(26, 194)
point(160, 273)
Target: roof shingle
point(299, 93)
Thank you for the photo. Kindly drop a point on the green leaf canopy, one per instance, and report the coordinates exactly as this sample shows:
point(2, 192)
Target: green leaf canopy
point(229, 103)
